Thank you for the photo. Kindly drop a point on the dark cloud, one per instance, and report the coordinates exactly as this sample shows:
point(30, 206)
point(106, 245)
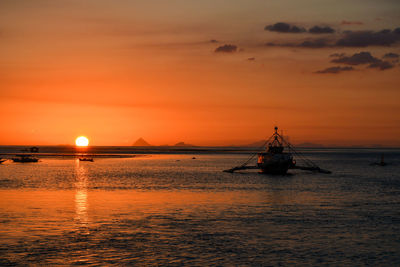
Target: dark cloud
point(335, 70)
point(357, 59)
point(314, 43)
point(363, 58)
point(284, 28)
point(382, 65)
point(228, 48)
point(275, 44)
point(368, 38)
point(320, 30)
point(385, 31)
point(309, 43)
point(391, 56)
point(346, 22)
point(384, 37)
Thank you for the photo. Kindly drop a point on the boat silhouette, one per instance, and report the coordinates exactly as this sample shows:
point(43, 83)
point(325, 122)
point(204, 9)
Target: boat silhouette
point(381, 162)
point(275, 160)
point(24, 159)
point(86, 159)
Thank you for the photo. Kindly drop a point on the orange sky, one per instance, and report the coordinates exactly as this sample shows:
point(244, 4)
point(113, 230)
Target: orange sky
point(119, 70)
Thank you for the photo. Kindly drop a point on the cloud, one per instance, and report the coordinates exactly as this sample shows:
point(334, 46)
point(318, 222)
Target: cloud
point(384, 37)
point(321, 30)
point(288, 28)
point(228, 48)
point(276, 44)
point(308, 43)
point(335, 70)
point(362, 58)
point(314, 43)
point(382, 65)
point(347, 22)
point(391, 56)
point(357, 59)
point(369, 38)
point(283, 27)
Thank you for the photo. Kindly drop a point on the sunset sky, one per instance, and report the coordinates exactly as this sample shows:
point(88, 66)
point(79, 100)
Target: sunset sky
point(203, 72)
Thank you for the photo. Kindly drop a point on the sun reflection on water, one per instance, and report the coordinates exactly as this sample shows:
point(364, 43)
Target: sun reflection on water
point(81, 204)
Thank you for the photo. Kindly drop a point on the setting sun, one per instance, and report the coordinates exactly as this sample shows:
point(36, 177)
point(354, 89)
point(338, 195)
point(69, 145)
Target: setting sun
point(82, 141)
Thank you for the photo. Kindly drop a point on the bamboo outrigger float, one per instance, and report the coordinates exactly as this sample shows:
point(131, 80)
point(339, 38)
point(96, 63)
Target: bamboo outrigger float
point(274, 160)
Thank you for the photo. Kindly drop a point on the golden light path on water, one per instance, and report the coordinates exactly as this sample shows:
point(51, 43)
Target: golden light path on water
point(81, 195)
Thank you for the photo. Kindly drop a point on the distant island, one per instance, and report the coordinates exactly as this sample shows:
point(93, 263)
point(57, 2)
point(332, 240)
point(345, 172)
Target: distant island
point(183, 144)
point(141, 142)
point(263, 143)
point(310, 145)
point(256, 144)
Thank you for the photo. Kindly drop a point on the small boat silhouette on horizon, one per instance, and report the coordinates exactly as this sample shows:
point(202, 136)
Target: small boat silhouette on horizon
point(24, 159)
point(86, 159)
point(380, 163)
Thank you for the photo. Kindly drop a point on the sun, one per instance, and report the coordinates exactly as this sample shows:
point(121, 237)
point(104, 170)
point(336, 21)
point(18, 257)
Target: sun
point(82, 141)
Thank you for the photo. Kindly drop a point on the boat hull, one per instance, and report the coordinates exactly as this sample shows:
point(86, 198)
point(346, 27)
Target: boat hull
point(86, 159)
point(271, 163)
point(278, 168)
point(26, 160)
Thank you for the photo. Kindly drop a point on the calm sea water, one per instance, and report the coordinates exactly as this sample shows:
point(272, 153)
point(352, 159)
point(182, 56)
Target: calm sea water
point(174, 210)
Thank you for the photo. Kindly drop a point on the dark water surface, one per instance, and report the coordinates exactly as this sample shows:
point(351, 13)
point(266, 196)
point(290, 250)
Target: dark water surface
point(175, 210)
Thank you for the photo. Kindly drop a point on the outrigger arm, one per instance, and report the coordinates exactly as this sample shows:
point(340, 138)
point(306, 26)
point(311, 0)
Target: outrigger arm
point(314, 169)
point(240, 168)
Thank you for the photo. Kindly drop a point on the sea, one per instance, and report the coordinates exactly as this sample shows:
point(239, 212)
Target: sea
point(178, 208)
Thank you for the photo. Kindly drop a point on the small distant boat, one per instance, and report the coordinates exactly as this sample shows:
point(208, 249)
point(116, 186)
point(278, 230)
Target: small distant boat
point(381, 163)
point(25, 159)
point(275, 160)
point(86, 159)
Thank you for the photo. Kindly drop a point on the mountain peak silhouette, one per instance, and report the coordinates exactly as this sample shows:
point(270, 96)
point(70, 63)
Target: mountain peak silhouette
point(141, 142)
point(183, 144)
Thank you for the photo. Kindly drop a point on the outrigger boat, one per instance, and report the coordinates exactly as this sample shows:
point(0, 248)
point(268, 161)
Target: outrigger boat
point(25, 159)
point(274, 160)
point(86, 159)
